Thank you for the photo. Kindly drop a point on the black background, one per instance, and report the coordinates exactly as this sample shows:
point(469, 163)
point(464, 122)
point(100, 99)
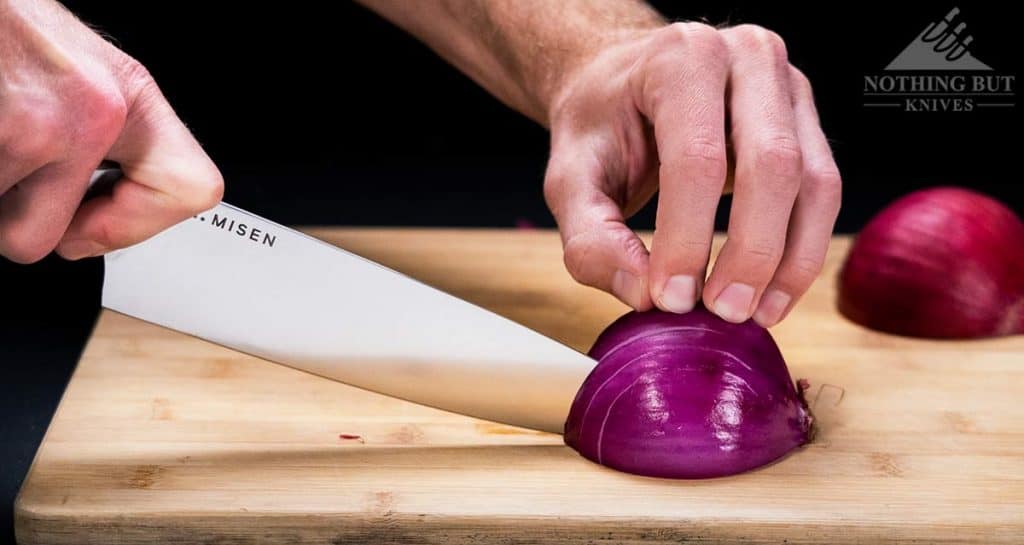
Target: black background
point(324, 114)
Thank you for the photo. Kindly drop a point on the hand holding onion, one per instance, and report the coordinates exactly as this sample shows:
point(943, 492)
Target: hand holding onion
point(649, 115)
point(637, 106)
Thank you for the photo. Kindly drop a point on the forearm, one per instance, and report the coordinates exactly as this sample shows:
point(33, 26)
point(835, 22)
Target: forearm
point(521, 51)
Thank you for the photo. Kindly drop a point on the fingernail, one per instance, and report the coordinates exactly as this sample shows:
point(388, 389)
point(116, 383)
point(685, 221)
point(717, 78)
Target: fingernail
point(679, 294)
point(627, 286)
point(771, 308)
point(733, 304)
point(79, 249)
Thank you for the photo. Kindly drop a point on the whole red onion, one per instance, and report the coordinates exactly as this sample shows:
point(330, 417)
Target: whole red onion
point(687, 396)
point(943, 262)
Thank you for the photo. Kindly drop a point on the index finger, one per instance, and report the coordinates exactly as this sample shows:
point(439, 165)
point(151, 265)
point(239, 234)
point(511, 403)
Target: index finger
point(167, 178)
point(682, 92)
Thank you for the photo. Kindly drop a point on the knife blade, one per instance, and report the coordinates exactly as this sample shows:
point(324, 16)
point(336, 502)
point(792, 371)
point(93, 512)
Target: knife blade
point(238, 280)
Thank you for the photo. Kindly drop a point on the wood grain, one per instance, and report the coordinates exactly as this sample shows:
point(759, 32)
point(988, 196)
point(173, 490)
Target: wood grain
point(163, 438)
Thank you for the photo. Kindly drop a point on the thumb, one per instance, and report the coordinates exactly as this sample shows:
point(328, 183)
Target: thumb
point(600, 250)
point(167, 178)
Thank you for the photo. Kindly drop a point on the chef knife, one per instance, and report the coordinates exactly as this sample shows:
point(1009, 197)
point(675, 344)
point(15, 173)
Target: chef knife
point(238, 280)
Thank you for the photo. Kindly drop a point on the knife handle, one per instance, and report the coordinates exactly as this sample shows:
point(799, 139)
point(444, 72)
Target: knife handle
point(105, 175)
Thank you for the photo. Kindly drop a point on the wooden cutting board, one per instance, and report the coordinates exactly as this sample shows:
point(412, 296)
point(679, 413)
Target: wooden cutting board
point(163, 438)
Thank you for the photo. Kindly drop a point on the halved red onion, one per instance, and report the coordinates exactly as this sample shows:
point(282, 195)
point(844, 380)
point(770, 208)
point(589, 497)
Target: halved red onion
point(687, 396)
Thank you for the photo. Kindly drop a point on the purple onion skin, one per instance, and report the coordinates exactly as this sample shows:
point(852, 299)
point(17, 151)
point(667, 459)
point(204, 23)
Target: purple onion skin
point(687, 396)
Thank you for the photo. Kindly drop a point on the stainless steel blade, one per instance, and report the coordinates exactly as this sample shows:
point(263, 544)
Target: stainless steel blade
point(238, 280)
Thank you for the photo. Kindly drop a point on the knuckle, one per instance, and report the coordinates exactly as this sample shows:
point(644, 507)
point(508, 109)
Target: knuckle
point(88, 111)
point(688, 31)
point(688, 252)
point(551, 194)
point(190, 189)
point(34, 145)
point(780, 156)
point(31, 134)
point(133, 74)
point(195, 186)
point(798, 274)
point(774, 44)
point(105, 113)
point(699, 32)
point(582, 252)
point(575, 256)
point(628, 244)
point(554, 180)
point(110, 233)
point(141, 90)
point(704, 159)
point(823, 186)
point(692, 35)
point(745, 32)
point(204, 192)
point(107, 108)
point(799, 81)
point(827, 183)
point(679, 53)
point(97, 112)
point(760, 256)
point(759, 38)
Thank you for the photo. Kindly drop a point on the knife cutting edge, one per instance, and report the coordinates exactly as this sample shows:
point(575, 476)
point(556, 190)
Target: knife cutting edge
point(241, 281)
